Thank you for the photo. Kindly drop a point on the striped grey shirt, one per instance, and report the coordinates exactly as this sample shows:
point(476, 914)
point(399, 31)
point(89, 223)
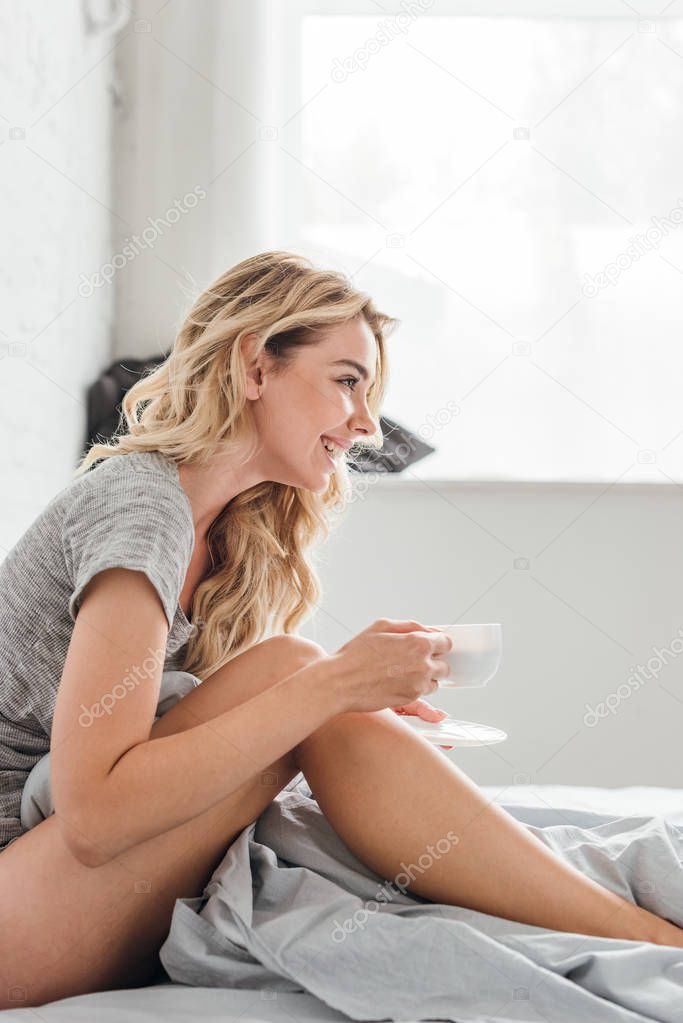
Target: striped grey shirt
point(128, 511)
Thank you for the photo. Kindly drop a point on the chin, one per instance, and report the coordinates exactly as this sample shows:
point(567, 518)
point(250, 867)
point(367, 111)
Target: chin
point(321, 487)
point(324, 485)
point(316, 483)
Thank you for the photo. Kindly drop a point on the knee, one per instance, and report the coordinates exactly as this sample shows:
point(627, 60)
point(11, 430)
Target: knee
point(295, 649)
point(349, 728)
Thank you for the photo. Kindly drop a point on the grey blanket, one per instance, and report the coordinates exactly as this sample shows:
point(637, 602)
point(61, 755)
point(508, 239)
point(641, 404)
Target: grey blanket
point(290, 908)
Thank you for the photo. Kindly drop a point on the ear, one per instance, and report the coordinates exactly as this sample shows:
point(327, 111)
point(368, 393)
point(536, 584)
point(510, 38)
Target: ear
point(253, 365)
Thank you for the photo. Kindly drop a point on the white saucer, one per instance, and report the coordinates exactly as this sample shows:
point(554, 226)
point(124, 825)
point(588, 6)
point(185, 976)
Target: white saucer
point(450, 732)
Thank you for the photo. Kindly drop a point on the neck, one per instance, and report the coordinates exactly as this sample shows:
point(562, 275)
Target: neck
point(211, 487)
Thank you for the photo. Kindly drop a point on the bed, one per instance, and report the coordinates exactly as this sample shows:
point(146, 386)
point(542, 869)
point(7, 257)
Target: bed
point(169, 1001)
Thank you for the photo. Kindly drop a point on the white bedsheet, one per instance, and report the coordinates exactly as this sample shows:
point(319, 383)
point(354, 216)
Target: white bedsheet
point(167, 1003)
point(634, 800)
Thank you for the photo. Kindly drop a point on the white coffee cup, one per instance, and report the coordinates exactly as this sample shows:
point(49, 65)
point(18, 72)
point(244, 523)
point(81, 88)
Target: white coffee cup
point(476, 654)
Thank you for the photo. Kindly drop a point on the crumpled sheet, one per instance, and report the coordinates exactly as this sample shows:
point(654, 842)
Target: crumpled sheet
point(290, 908)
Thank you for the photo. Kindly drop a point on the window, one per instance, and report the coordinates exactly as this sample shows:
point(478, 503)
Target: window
point(508, 185)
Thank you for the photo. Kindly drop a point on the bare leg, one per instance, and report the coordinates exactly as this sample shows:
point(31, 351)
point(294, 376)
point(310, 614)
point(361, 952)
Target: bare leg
point(94, 929)
point(399, 796)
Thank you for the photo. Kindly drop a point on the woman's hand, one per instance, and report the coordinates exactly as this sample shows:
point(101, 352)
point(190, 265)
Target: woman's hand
point(425, 711)
point(391, 664)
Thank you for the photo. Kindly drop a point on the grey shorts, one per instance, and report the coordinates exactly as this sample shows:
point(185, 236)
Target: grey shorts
point(36, 797)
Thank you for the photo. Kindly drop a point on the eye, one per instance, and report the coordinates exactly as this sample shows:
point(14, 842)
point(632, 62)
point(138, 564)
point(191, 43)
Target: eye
point(354, 381)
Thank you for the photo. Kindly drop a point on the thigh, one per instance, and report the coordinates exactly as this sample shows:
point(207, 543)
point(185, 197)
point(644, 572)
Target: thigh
point(67, 929)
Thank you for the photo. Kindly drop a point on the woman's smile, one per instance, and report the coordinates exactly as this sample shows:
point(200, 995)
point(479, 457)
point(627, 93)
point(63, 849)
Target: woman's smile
point(326, 453)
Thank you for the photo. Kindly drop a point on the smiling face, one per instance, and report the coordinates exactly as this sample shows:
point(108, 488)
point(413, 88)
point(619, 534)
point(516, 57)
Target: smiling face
point(316, 395)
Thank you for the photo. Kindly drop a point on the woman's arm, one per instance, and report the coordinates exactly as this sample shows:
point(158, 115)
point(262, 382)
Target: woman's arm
point(113, 786)
point(161, 783)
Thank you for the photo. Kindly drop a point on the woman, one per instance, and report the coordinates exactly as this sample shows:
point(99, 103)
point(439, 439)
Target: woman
point(167, 560)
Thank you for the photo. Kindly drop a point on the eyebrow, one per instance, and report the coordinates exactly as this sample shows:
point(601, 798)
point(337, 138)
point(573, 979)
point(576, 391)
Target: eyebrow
point(356, 365)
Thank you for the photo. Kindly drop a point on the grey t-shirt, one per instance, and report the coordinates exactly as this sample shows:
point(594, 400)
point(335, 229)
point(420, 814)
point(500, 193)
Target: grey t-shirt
point(128, 511)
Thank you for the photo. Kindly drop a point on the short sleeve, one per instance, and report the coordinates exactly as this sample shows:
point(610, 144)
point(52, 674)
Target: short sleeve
point(128, 519)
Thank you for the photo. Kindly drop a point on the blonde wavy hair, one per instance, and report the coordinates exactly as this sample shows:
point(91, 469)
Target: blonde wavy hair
point(262, 544)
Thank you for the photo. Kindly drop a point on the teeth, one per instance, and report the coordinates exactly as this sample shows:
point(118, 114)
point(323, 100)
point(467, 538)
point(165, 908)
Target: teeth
point(332, 448)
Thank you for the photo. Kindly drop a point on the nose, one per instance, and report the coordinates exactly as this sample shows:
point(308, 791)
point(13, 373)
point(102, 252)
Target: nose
point(365, 422)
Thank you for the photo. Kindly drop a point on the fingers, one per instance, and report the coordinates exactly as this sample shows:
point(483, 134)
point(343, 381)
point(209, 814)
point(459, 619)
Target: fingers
point(442, 643)
point(398, 625)
point(438, 670)
point(438, 642)
point(426, 711)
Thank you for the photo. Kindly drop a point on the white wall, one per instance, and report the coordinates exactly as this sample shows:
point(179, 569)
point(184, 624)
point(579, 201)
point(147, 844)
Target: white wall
point(602, 591)
point(602, 587)
point(55, 83)
point(603, 584)
point(195, 93)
